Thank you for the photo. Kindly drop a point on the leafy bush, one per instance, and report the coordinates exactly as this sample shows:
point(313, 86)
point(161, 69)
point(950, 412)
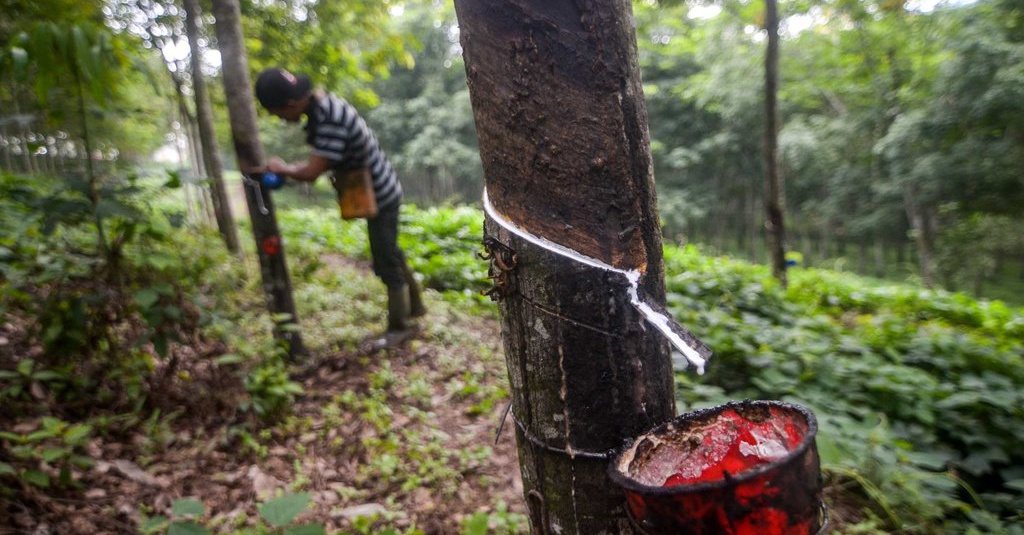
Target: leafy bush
point(918, 393)
point(440, 243)
point(277, 517)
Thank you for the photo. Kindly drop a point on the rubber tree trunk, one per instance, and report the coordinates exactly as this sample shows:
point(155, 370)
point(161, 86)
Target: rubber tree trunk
point(774, 222)
point(562, 124)
point(207, 134)
point(923, 231)
point(249, 151)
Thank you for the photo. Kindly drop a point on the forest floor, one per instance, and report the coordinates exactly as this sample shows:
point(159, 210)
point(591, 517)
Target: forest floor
point(404, 437)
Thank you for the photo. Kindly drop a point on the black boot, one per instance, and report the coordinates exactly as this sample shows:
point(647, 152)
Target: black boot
point(416, 307)
point(398, 309)
point(400, 327)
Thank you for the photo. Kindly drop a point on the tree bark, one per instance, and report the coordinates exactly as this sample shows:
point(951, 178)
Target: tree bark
point(774, 205)
point(562, 125)
point(6, 143)
point(249, 151)
point(924, 237)
point(207, 134)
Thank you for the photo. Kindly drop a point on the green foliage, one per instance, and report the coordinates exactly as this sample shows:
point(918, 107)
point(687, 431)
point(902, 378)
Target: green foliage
point(16, 384)
point(84, 52)
point(280, 512)
point(440, 243)
point(343, 45)
point(899, 127)
point(277, 518)
point(498, 522)
point(917, 393)
point(63, 269)
point(270, 388)
point(56, 443)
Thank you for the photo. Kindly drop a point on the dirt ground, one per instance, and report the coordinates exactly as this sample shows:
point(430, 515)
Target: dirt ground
point(198, 444)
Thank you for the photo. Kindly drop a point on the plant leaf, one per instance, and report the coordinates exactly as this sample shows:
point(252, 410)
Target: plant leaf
point(225, 360)
point(154, 524)
point(477, 524)
point(146, 297)
point(1016, 484)
point(46, 375)
point(187, 528)
point(281, 511)
point(52, 454)
point(187, 506)
point(36, 478)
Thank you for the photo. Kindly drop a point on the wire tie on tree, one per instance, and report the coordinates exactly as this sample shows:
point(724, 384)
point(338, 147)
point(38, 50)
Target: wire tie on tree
point(568, 450)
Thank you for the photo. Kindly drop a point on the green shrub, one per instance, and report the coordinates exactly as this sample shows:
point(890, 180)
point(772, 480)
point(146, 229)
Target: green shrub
point(918, 393)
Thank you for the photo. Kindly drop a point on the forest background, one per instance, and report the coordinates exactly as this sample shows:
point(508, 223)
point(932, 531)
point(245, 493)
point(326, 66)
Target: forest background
point(900, 136)
point(902, 153)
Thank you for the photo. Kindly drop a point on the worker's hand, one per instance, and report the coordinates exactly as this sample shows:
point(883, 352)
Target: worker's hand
point(279, 166)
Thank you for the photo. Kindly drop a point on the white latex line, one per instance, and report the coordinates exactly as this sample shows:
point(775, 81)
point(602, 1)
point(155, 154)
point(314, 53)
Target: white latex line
point(656, 319)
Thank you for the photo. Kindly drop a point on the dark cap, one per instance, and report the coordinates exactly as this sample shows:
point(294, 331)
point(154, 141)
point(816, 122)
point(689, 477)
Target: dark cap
point(276, 87)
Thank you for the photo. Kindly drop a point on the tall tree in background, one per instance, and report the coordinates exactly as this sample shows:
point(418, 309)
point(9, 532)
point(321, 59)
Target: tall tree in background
point(425, 118)
point(207, 133)
point(161, 26)
point(562, 124)
point(773, 191)
point(249, 151)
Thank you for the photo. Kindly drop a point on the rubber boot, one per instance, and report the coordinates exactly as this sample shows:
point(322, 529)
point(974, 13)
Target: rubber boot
point(416, 307)
point(400, 328)
point(398, 308)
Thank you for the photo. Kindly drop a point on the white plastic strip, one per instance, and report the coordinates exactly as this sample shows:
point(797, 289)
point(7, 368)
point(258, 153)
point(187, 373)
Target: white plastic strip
point(658, 320)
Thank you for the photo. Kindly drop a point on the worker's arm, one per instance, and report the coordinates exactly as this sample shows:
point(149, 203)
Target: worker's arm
point(307, 171)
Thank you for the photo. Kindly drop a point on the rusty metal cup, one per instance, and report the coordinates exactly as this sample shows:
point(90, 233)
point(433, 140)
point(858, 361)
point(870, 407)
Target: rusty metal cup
point(743, 468)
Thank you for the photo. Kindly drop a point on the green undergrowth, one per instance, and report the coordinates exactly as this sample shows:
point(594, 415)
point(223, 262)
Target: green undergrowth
point(918, 394)
point(87, 357)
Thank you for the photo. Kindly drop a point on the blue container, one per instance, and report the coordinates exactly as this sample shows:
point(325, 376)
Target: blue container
point(272, 181)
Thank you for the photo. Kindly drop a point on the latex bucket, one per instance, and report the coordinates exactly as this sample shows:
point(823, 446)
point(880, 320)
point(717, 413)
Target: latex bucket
point(744, 468)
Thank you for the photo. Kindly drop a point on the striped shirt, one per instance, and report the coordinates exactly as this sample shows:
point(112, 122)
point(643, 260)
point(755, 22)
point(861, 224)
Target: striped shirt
point(336, 131)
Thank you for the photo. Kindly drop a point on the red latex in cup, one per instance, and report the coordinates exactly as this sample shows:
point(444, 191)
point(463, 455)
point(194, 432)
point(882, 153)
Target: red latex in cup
point(747, 468)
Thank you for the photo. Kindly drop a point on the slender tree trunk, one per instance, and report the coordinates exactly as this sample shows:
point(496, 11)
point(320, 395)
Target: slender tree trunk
point(920, 224)
point(562, 125)
point(774, 204)
point(94, 181)
point(242, 111)
point(23, 139)
point(207, 133)
point(201, 174)
point(879, 257)
point(8, 162)
point(180, 144)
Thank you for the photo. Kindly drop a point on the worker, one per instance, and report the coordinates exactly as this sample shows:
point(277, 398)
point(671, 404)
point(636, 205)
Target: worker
point(343, 144)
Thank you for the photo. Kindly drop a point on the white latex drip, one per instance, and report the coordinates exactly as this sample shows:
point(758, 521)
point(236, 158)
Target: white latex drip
point(656, 319)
